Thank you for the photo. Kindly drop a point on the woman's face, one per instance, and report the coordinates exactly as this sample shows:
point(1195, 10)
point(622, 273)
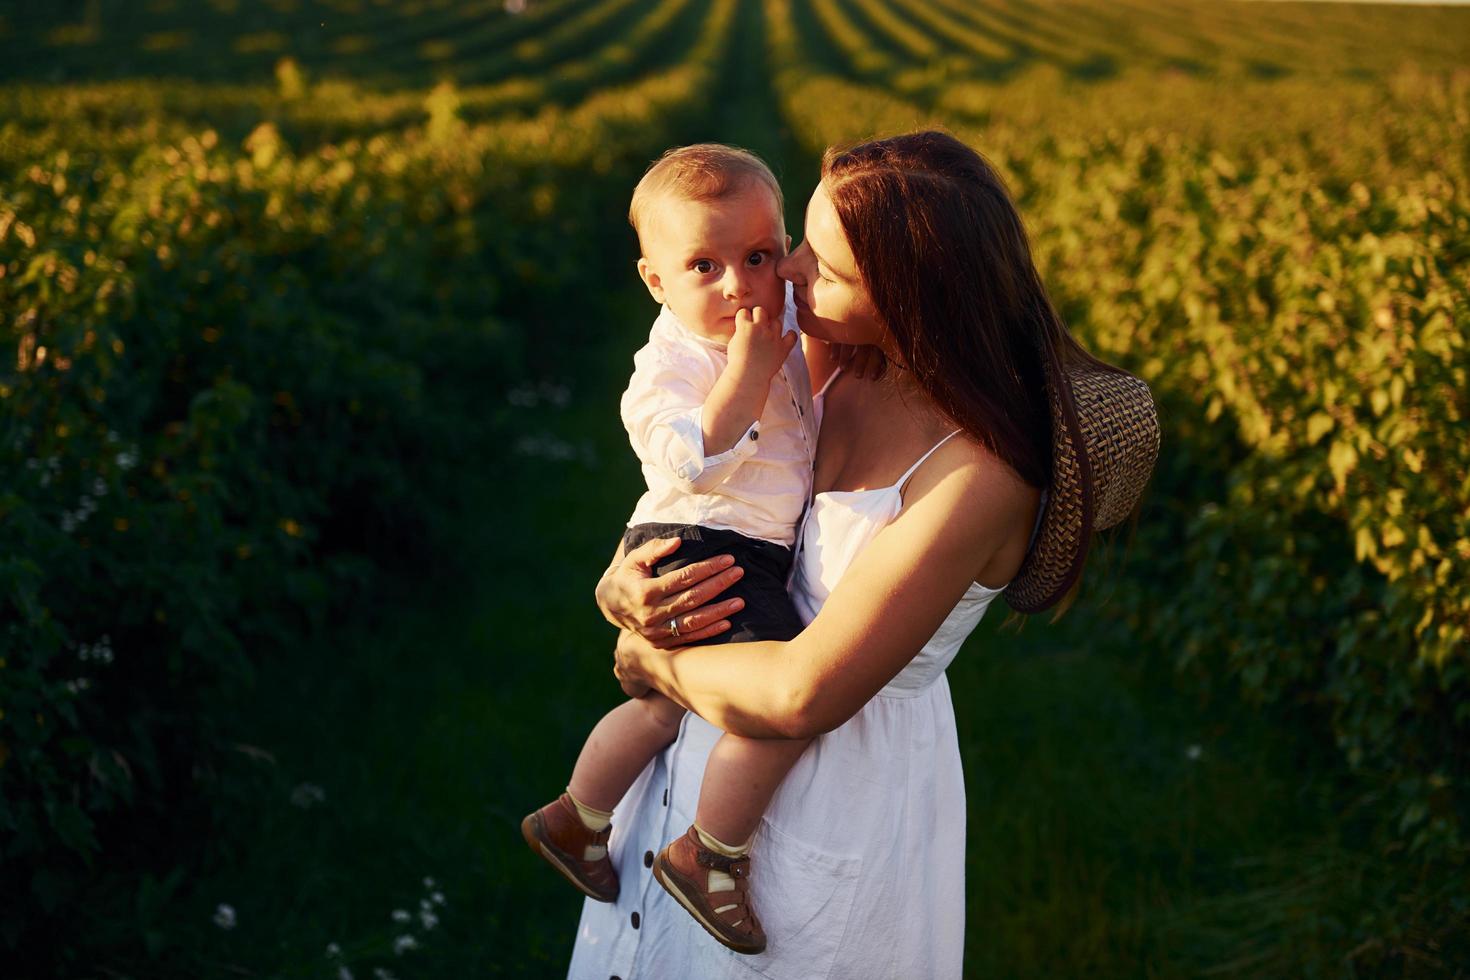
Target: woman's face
point(832, 304)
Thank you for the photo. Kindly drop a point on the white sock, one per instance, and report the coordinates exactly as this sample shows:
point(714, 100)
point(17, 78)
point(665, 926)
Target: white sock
point(593, 819)
point(720, 881)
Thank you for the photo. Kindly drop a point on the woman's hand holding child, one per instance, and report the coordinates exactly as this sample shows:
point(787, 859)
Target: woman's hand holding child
point(632, 598)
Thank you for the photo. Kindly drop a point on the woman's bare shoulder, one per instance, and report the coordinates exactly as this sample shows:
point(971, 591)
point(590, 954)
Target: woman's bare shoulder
point(970, 468)
point(982, 501)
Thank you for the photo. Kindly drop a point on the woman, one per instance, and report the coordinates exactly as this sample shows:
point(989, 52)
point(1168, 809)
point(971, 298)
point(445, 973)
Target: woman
point(928, 486)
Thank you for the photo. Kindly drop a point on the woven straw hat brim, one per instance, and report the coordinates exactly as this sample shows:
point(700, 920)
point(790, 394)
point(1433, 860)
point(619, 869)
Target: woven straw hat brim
point(1105, 441)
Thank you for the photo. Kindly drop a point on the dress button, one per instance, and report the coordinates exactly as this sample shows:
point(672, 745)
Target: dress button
point(666, 797)
point(635, 920)
point(754, 436)
point(648, 859)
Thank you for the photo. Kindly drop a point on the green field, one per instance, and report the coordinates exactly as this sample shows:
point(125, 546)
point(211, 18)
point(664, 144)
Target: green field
point(320, 312)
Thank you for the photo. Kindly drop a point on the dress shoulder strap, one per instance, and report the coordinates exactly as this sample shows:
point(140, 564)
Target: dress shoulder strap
point(920, 462)
point(830, 378)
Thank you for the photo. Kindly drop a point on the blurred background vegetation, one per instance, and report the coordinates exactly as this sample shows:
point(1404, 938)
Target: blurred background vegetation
point(315, 316)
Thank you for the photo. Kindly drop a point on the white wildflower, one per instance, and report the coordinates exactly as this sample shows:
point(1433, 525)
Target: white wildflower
point(1193, 752)
point(404, 943)
point(343, 973)
point(224, 916)
point(379, 973)
point(333, 950)
point(308, 795)
point(401, 916)
point(546, 446)
point(428, 919)
point(428, 882)
point(545, 392)
point(438, 898)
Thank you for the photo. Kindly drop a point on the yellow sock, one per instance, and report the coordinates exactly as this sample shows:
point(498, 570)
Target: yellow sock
point(592, 818)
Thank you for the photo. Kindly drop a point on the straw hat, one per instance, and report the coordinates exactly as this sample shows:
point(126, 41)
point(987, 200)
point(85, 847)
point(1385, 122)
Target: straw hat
point(1105, 439)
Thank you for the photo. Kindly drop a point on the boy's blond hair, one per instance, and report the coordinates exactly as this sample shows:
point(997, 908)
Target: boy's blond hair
point(700, 172)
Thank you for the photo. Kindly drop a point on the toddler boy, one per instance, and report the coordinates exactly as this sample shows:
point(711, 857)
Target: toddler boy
point(719, 413)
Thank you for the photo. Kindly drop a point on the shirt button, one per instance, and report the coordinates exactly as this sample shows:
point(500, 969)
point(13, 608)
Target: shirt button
point(666, 797)
point(635, 920)
point(754, 436)
point(648, 859)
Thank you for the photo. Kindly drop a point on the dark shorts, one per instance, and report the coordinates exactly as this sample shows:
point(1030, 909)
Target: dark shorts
point(769, 613)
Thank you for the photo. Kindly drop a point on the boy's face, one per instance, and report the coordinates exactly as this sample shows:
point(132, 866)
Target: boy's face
point(708, 259)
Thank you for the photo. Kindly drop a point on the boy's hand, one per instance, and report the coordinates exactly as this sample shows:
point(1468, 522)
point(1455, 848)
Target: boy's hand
point(759, 346)
point(757, 350)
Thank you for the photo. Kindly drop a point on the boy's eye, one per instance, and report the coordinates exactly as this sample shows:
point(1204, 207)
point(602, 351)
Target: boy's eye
point(757, 258)
point(703, 266)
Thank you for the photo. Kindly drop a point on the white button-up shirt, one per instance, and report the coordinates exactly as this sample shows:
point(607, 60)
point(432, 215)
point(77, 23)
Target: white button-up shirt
point(758, 486)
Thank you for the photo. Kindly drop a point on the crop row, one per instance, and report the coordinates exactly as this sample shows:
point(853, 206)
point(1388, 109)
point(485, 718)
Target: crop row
point(903, 42)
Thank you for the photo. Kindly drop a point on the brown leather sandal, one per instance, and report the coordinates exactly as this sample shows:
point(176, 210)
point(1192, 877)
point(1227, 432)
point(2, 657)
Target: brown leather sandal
point(683, 869)
point(557, 834)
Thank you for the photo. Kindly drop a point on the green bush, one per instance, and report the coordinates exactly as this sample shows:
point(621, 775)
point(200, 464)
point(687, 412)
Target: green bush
point(214, 438)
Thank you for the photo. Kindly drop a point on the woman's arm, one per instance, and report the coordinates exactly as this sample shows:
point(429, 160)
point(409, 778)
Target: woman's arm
point(886, 606)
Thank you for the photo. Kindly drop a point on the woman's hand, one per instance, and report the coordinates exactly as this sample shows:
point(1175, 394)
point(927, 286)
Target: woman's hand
point(668, 610)
point(865, 361)
point(625, 665)
point(629, 666)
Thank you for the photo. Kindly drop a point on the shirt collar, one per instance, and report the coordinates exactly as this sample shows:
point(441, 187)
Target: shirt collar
point(670, 323)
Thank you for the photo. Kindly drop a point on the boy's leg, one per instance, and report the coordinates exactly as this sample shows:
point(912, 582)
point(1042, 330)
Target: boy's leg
point(708, 869)
point(739, 781)
point(620, 746)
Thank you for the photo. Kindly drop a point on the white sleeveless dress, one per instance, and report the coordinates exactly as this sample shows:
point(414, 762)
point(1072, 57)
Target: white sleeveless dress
point(858, 867)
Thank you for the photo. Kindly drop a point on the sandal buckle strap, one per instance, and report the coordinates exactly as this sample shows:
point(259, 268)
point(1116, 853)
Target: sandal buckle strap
point(734, 867)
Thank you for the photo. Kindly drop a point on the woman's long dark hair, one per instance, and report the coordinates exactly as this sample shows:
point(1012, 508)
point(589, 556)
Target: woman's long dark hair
point(945, 258)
